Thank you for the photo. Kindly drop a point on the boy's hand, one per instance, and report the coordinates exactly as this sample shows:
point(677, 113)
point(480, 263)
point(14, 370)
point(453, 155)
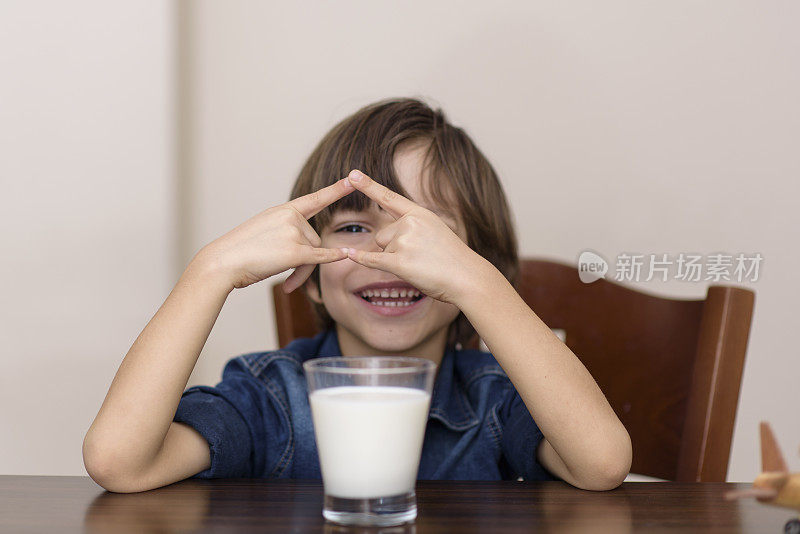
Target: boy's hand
point(419, 247)
point(275, 240)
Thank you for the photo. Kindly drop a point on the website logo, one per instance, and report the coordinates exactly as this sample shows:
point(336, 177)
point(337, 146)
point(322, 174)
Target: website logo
point(685, 267)
point(591, 267)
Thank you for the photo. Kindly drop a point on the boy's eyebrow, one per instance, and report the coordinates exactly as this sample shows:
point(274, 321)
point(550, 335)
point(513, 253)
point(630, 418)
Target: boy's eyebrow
point(445, 214)
point(346, 212)
point(442, 213)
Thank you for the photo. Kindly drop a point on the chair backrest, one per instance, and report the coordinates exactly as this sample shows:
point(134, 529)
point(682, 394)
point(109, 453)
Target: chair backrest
point(671, 369)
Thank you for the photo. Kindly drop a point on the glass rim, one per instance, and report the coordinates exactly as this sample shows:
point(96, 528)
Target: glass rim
point(414, 365)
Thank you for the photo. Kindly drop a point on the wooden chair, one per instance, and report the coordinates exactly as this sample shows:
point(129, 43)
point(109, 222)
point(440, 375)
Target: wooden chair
point(671, 369)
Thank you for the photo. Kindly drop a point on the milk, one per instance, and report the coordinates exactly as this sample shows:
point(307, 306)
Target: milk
point(369, 438)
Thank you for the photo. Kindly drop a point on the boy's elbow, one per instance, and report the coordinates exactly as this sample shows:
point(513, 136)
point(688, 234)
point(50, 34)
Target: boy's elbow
point(613, 475)
point(610, 468)
point(108, 476)
point(614, 466)
point(107, 471)
point(606, 476)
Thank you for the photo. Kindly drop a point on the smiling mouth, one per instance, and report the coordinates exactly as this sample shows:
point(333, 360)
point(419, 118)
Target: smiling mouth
point(402, 300)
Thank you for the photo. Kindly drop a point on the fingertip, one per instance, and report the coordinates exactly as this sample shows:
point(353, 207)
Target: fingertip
point(336, 254)
point(362, 257)
point(355, 176)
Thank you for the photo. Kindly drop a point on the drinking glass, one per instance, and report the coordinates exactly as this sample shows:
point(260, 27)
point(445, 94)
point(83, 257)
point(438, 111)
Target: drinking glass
point(369, 415)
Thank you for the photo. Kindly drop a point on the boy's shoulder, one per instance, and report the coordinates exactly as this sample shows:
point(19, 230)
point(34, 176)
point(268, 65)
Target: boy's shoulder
point(473, 365)
point(291, 357)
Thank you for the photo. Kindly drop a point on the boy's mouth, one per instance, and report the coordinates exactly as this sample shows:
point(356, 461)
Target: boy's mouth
point(397, 295)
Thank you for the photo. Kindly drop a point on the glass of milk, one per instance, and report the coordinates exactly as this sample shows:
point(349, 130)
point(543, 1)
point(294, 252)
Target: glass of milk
point(369, 415)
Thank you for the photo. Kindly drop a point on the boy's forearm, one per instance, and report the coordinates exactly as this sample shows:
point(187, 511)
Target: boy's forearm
point(141, 402)
point(560, 393)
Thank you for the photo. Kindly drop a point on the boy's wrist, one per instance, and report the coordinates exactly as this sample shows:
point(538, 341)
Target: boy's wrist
point(207, 270)
point(481, 287)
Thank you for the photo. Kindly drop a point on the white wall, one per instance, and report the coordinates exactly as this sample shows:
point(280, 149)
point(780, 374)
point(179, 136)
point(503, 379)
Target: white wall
point(618, 126)
point(86, 217)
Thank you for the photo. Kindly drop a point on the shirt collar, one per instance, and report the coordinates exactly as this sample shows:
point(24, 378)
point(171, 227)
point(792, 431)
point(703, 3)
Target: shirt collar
point(329, 347)
point(449, 402)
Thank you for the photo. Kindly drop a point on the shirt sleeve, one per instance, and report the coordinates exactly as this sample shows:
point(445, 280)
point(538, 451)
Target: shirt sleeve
point(521, 438)
point(239, 421)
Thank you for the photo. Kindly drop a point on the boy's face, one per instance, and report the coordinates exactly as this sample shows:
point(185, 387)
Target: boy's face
point(362, 330)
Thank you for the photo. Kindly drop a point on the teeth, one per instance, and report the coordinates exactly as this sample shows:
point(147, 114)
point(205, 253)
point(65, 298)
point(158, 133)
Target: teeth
point(391, 304)
point(394, 293)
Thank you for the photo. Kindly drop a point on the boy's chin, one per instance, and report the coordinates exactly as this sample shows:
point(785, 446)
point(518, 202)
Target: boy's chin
point(392, 346)
point(393, 342)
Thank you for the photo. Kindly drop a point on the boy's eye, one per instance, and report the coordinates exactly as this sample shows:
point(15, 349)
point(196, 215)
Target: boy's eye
point(352, 228)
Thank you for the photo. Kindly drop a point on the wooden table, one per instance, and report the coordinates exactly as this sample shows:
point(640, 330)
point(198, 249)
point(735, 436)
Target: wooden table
point(77, 504)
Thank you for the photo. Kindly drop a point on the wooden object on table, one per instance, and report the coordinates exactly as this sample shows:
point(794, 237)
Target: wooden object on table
point(670, 368)
point(775, 485)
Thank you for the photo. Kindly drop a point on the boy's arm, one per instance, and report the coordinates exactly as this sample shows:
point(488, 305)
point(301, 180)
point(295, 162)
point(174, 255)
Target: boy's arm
point(133, 444)
point(585, 443)
point(133, 441)
point(579, 425)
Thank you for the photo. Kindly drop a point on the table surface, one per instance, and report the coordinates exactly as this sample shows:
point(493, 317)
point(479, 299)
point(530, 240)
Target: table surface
point(77, 504)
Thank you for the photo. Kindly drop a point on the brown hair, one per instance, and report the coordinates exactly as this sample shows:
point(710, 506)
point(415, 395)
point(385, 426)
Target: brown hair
point(459, 174)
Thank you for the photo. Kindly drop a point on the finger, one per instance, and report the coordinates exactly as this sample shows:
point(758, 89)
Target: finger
point(301, 273)
point(297, 278)
point(385, 261)
point(395, 204)
point(310, 234)
point(312, 203)
point(314, 255)
point(386, 235)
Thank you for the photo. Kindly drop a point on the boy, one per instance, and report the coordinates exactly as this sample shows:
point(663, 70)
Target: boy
point(427, 267)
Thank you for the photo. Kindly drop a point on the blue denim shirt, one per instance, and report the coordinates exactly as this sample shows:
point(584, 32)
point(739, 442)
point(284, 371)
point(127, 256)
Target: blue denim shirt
point(257, 420)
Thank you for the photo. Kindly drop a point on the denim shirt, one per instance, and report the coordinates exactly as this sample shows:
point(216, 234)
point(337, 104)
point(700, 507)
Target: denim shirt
point(257, 420)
